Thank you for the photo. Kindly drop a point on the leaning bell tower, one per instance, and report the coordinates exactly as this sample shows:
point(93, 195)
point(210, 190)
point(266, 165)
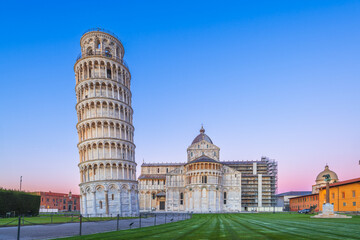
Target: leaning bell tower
point(105, 128)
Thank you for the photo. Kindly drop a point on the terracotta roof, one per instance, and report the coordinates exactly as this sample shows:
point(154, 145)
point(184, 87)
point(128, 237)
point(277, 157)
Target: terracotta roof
point(345, 182)
point(152, 176)
point(54, 194)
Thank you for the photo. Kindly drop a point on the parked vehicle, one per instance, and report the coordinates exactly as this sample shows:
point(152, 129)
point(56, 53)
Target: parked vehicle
point(306, 210)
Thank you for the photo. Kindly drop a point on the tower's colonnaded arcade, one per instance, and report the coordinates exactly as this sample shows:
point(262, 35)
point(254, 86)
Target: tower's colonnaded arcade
point(106, 133)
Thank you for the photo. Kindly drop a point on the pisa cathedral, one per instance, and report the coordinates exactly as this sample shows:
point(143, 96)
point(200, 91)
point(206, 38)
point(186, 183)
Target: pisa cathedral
point(205, 184)
point(107, 165)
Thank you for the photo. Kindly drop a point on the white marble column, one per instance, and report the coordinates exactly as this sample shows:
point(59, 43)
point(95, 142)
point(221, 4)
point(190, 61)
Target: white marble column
point(94, 203)
point(85, 203)
point(120, 202)
point(130, 203)
point(136, 201)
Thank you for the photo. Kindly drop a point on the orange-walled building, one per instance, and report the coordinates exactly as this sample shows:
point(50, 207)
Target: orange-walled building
point(304, 202)
point(62, 201)
point(345, 195)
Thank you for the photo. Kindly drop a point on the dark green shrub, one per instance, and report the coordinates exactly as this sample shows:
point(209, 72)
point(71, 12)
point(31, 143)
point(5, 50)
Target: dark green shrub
point(20, 202)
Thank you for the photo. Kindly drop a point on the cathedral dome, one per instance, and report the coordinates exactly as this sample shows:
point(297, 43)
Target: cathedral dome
point(321, 179)
point(202, 136)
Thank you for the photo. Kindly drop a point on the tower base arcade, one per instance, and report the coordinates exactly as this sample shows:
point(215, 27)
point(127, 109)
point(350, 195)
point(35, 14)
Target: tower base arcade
point(108, 199)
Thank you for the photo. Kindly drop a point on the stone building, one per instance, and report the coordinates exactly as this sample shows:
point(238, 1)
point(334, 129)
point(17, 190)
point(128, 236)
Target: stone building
point(105, 116)
point(206, 184)
point(304, 202)
point(62, 202)
point(283, 199)
point(313, 199)
point(344, 195)
point(320, 179)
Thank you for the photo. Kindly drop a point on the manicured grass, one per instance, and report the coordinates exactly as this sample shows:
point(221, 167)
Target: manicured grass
point(55, 219)
point(244, 226)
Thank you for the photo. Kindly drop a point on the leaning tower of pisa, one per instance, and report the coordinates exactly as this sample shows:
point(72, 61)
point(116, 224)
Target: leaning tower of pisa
point(106, 134)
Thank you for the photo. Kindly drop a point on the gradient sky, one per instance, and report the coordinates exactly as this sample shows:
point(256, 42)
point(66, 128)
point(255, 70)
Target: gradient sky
point(266, 78)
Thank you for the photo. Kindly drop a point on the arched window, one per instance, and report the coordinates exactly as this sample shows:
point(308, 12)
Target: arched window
point(225, 196)
point(158, 170)
point(181, 198)
point(100, 204)
point(191, 154)
point(97, 44)
point(153, 196)
point(108, 52)
point(108, 73)
point(112, 196)
point(214, 153)
point(204, 179)
point(89, 51)
point(167, 170)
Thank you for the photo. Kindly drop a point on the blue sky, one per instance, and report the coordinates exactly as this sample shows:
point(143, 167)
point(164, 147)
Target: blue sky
point(273, 78)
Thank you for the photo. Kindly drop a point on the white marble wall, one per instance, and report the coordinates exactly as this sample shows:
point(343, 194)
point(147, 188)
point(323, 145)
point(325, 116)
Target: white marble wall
point(122, 200)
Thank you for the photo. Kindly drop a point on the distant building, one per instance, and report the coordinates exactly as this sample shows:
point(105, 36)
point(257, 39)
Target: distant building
point(310, 199)
point(320, 179)
point(304, 202)
point(61, 201)
point(344, 195)
point(282, 199)
point(206, 184)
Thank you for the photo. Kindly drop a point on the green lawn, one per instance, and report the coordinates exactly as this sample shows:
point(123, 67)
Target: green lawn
point(48, 220)
point(244, 226)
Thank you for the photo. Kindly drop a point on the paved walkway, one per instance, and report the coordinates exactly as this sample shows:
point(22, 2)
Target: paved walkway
point(50, 231)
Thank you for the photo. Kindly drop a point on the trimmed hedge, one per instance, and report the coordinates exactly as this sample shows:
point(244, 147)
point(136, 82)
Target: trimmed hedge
point(20, 202)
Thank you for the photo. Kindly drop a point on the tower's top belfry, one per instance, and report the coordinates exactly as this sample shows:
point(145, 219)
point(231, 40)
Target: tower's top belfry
point(100, 42)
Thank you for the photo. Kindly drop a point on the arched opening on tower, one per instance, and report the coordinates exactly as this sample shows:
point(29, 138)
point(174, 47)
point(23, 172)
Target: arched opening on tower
point(89, 51)
point(97, 44)
point(108, 52)
point(118, 52)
